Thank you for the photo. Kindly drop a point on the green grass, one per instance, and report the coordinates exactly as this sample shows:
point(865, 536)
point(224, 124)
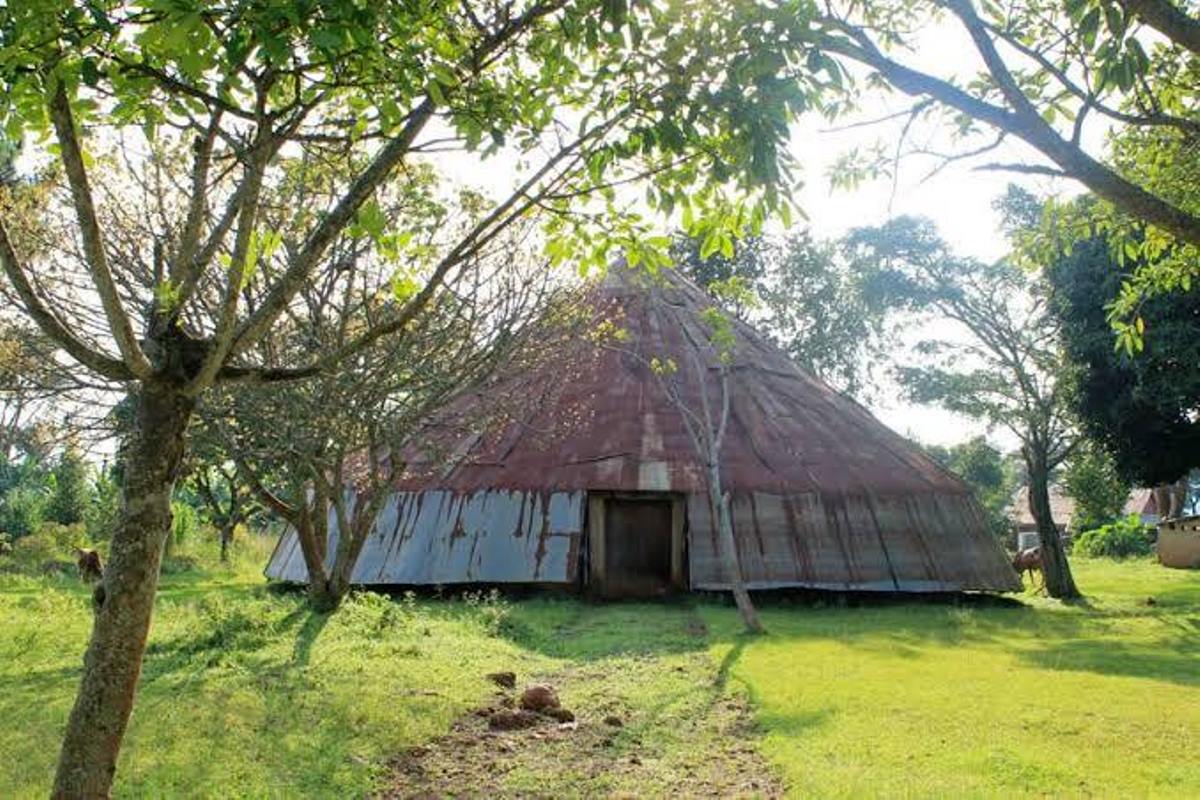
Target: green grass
point(1043, 699)
point(245, 693)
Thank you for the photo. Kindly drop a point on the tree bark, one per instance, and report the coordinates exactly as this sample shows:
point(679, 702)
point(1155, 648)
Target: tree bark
point(1056, 571)
point(226, 539)
point(729, 555)
point(312, 531)
point(124, 600)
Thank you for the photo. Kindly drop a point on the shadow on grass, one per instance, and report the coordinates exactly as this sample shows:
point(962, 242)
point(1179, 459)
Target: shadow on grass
point(1173, 660)
point(306, 637)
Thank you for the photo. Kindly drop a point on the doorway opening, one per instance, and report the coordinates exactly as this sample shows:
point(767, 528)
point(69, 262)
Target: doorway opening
point(637, 544)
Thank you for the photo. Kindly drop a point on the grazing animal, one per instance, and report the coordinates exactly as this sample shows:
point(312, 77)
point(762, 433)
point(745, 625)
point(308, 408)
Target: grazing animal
point(1028, 560)
point(90, 566)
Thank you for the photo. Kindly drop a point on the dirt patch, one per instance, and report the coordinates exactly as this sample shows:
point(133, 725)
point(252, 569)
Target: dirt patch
point(640, 753)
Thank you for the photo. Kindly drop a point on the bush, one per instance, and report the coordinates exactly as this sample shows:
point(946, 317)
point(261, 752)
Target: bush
point(50, 547)
point(32, 552)
point(1121, 539)
point(185, 526)
point(70, 493)
point(104, 511)
point(22, 511)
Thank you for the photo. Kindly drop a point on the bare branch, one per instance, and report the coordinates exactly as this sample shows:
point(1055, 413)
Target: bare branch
point(50, 325)
point(72, 158)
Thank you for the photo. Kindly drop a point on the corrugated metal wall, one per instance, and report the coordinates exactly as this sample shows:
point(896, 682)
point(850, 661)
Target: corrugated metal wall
point(913, 543)
point(441, 537)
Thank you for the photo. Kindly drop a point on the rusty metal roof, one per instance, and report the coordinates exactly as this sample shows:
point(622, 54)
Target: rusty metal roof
point(600, 420)
point(824, 495)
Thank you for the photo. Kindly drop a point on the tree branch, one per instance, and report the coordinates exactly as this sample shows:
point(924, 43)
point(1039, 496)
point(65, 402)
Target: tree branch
point(93, 244)
point(49, 324)
point(1024, 123)
point(1169, 20)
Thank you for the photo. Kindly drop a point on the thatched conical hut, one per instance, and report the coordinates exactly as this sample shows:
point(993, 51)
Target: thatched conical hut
point(591, 479)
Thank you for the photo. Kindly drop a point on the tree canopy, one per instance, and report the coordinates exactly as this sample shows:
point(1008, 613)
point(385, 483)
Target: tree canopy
point(1000, 364)
point(803, 295)
point(1142, 407)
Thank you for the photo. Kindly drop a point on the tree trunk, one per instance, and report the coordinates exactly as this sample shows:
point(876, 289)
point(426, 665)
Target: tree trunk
point(226, 540)
point(1179, 496)
point(312, 530)
point(1056, 572)
point(729, 554)
point(124, 600)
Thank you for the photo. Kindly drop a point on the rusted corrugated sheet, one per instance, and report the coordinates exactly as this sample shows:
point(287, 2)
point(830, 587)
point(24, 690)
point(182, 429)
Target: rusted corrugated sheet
point(442, 537)
point(915, 543)
point(595, 418)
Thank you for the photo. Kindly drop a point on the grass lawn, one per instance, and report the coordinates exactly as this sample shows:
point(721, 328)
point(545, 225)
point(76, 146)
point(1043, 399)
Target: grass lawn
point(245, 693)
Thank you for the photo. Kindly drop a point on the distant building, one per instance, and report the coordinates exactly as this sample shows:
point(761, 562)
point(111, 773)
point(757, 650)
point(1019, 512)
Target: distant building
point(1062, 509)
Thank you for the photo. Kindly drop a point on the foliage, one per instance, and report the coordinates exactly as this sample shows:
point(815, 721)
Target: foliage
point(185, 523)
point(1051, 73)
point(101, 516)
point(31, 553)
point(1100, 494)
point(1150, 263)
point(987, 472)
point(71, 493)
point(50, 546)
point(999, 362)
point(803, 297)
point(1123, 538)
point(22, 510)
point(1143, 408)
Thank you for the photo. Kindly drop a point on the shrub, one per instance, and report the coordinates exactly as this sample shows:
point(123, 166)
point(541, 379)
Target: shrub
point(185, 524)
point(70, 493)
point(5, 544)
point(1120, 539)
point(22, 511)
point(31, 552)
point(103, 513)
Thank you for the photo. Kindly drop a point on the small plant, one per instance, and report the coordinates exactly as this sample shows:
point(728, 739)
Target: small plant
point(31, 553)
point(1121, 539)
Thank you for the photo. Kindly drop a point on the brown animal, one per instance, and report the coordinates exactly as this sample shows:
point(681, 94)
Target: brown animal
point(1029, 560)
point(90, 566)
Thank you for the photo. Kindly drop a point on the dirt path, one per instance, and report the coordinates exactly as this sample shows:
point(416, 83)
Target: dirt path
point(647, 725)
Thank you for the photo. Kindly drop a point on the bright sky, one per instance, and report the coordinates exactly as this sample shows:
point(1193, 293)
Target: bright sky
point(958, 199)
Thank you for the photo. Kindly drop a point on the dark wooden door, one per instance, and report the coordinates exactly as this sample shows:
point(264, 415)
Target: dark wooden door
point(637, 547)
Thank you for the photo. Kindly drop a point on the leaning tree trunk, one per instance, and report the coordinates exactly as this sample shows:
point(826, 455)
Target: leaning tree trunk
point(728, 551)
point(1056, 571)
point(124, 600)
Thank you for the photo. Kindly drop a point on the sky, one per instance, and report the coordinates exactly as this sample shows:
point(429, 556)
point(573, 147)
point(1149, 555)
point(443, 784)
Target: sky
point(958, 199)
